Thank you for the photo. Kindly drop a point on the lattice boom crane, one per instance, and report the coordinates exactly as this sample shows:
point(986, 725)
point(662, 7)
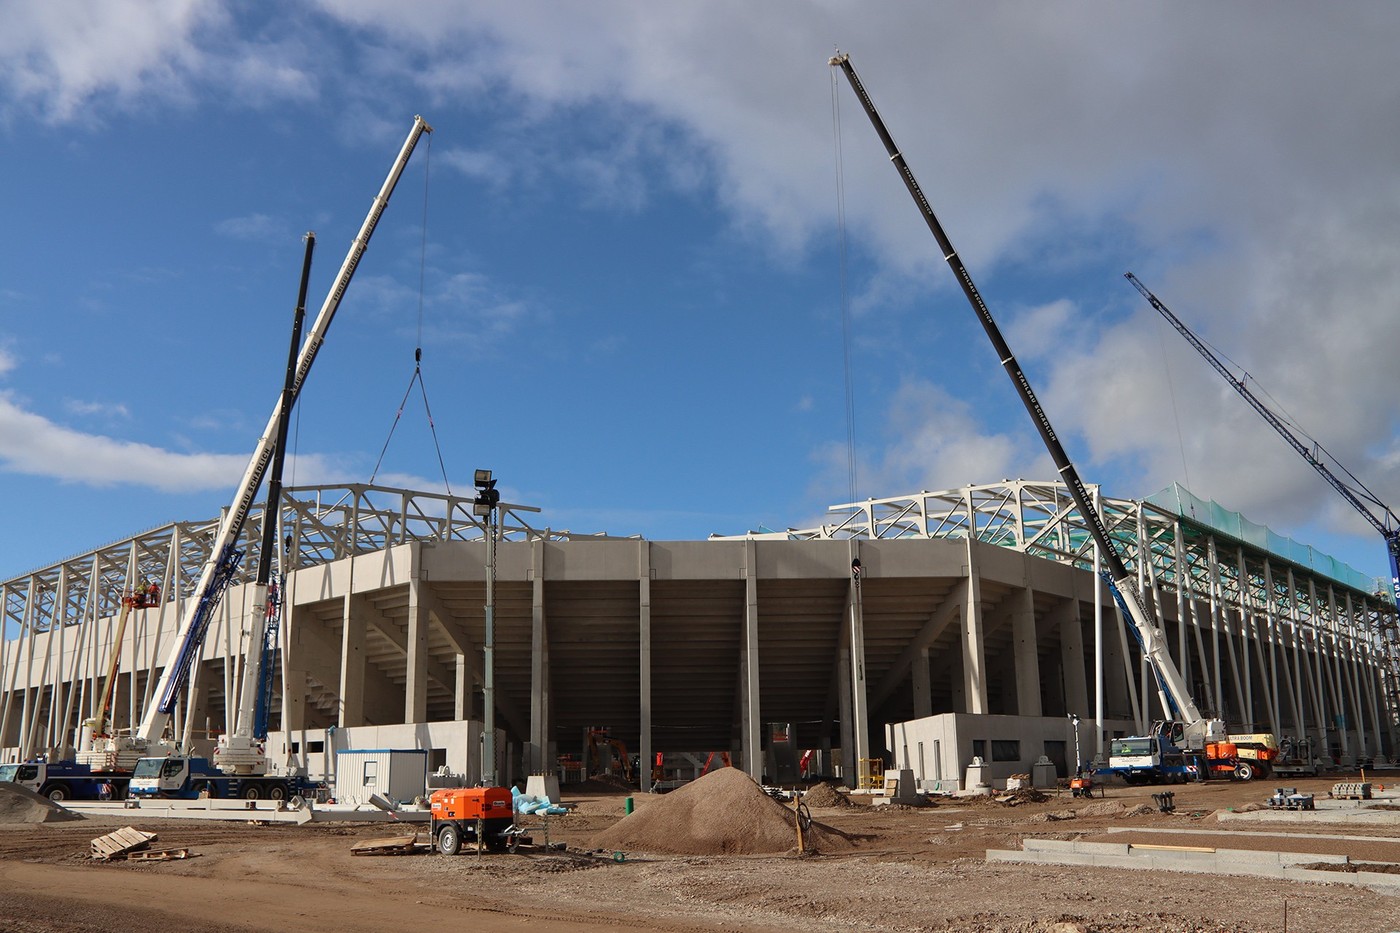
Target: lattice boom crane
point(1357, 495)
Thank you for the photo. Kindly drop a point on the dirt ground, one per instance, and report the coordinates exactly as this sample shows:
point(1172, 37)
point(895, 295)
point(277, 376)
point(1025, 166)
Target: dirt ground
point(904, 869)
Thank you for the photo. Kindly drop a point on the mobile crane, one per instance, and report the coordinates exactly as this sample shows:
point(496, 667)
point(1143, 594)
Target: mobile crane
point(172, 774)
point(1190, 744)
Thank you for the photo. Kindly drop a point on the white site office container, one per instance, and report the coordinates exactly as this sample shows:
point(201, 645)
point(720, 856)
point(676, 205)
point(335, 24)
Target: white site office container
point(400, 774)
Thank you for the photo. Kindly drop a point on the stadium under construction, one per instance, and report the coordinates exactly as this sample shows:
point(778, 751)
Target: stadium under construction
point(401, 614)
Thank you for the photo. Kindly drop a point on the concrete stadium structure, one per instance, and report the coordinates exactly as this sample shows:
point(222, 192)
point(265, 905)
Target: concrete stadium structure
point(980, 601)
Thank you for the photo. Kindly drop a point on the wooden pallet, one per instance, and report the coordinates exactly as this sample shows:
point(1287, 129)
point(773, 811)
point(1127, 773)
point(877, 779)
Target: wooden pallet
point(123, 842)
point(395, 845)
point(160, 855)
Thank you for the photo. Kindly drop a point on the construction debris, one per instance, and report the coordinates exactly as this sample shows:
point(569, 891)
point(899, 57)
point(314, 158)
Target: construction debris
point(121, 843)
point(1288, 798)
point(394, 845)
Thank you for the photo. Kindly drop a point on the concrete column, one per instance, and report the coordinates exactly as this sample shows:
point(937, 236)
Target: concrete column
point(415, 700)
point(461, 688)
point(1026, 653)
point(293, 674)
point(1072, 661)
point(352, 665)
point(539, 665)
point(752, 735)
point(974, 655)
point(644, 647)
point(848, 735)
point(923, 688)
point(1352, 678)
point(855, 618)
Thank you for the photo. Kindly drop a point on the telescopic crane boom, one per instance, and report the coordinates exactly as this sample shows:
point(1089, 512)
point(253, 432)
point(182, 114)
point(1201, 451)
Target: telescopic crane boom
point(1360, 498)
point(224, 556)
point(1175, 696)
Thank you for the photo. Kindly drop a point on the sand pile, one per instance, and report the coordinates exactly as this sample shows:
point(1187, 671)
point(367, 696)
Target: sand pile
point(825, 795)
point(21, 805)
point(723, 813)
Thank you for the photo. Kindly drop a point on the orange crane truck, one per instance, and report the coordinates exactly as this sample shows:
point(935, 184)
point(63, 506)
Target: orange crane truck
point(471, 814)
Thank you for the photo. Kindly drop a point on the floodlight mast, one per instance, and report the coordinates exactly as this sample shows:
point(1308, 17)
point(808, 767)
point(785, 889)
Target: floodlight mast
point(1172, 690)
point(224, 555)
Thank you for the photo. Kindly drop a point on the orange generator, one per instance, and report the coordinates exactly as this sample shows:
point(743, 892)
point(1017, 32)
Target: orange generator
point(460, 813)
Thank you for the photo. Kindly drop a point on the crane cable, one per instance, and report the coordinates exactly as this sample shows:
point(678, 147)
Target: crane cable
point(845, 291)
point(417, 377)
point(1176, 411)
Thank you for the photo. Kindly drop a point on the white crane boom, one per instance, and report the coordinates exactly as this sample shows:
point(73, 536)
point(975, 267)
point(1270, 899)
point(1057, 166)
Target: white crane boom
point(224, 556)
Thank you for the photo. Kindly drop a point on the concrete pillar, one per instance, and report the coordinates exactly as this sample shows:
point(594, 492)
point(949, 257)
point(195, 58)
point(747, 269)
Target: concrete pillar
point(923, 687)
point(539, 665)
point(415, 700)
point(644, 647)
point(752, 735)
point(844, 676)
point(855, 619)
point(974, 657)
point(461, 688)
point(1026, 653)
point(1072, 661)
point(293, 674)
point(352, 665)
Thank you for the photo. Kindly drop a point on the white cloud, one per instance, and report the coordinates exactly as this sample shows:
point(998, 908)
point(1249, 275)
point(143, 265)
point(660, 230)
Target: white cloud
point(34, 445)
point(60, 54)
point(248, 227)
point(61, 58)
point(1246, 155)
point(930, 440)
point(7, 358)
point(103, 409)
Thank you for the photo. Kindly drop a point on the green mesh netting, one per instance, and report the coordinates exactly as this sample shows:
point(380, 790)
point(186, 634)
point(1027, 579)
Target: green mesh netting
point(1180, 501)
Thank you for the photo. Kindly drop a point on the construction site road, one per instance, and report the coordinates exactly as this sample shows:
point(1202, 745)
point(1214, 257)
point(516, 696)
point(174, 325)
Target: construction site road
point(897, 869)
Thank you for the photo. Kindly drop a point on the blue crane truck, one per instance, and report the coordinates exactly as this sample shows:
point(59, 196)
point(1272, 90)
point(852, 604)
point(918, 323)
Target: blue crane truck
point(67, 780)
point(180, 778)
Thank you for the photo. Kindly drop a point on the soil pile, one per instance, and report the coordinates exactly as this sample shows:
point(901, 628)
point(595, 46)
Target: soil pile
point(723, 813)
point(21, 805)
point(825, 794)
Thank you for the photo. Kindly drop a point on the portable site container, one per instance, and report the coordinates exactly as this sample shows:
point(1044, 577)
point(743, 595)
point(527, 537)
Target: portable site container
point(400, 774)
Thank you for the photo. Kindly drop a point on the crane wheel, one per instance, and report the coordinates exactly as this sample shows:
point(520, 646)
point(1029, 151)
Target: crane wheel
point(55, 792)
point(1244, 771)
point(277, 792)
point(251, 792)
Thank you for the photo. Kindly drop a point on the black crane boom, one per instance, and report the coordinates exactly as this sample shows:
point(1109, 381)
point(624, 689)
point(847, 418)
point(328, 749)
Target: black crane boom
point(1386, 523)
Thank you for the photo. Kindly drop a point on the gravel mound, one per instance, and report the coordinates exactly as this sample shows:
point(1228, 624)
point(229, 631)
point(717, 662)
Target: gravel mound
point(21, 805)
point(825, 794)
point(725, 812)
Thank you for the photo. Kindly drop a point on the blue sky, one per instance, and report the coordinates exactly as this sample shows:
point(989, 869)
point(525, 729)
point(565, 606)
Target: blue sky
point(630, 281)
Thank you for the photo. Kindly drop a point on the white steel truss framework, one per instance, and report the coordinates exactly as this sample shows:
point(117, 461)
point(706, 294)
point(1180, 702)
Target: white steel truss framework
point(320, 524)
point(1260, 638)
point(1254, 620)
